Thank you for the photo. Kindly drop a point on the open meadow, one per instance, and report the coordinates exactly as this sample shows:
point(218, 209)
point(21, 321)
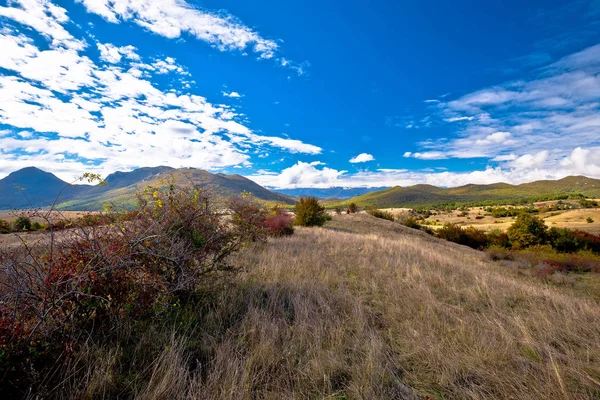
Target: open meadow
point(575, 219)
point(361, 308)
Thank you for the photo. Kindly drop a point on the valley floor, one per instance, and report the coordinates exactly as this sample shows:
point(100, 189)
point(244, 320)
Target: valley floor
point(363, 309)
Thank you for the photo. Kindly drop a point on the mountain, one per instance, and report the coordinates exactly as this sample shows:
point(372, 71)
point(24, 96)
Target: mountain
point(330, 193)
point(220, 184)
point(427, 195)
point(31, 188)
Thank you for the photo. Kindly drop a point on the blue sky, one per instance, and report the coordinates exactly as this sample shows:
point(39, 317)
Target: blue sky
point(303, 94)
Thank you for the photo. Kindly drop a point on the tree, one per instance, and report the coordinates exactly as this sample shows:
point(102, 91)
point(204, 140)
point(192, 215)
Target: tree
point(23, 223)
point(527, 230)
point(309, 212)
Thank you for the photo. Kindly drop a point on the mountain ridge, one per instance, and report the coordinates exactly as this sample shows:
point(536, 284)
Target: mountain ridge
point(32, 187)
point(425, 195)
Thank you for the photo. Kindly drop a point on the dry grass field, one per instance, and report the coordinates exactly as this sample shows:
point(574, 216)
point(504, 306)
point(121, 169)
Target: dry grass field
point(52, 216)
point(572, 219)
point(361, 309)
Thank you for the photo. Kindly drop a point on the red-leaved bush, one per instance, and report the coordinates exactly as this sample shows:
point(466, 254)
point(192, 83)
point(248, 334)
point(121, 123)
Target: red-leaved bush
point(280, 223)
point(105, 268)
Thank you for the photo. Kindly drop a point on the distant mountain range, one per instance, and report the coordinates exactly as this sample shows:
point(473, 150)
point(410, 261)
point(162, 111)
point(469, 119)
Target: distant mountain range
point(341, 193)
point(31, 188)
point(426, 195)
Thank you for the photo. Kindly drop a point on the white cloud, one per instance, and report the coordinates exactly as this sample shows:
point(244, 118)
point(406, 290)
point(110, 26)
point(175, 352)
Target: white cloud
point(457, 119)
point(173, 18)
point(494, 138)
point(580, 161)
point(234, 95)
point(530, 161)
point(429, 155)
point(44, 17)
point(113, 54)
point(301, 175)
point(361, 158)
point(583, 161)
point(84, 116)
point(505, 157)
point(555, 111)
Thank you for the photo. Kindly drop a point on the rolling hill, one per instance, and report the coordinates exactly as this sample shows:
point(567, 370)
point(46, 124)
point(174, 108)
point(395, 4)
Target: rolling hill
point(427, 195)
point(336, 192)
point(32, 188)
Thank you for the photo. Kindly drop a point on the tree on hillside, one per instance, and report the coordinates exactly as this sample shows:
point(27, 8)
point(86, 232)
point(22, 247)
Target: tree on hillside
point(527, 230)
point(352, 208)
point(309, 212)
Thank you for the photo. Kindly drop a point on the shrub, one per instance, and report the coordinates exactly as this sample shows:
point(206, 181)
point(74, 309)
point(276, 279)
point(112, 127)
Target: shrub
point(23, 223)
point(472, 237)
point(526, 231)
point(248, 217)
point(564, 240)
point(309, 212)
point(352, 208)
point(589, 220)
point(4, 226)
point(410, 222)
point(499, 253)
point(56, 294)
point(496, 237)
point(585, 203)
point(381, 214)
point(588, 241)
point(59, 225)
point(279, 223)
point(450, 232)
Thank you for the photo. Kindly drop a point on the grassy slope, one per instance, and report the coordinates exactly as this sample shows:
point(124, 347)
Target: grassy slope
point(363, 309)
point(420, 195)
point(220, 184)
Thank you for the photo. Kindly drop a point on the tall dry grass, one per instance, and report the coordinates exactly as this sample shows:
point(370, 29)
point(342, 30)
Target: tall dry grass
point(360, 309)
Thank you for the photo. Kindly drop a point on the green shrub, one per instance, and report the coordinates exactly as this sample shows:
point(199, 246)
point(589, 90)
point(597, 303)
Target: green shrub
point(563, 240)
point(496, 237)
point(527, 231)
point(589, 220)
point(4, 226)
point(585, 203)
point(309, 212)
point(381, 214)
point(410, 222)
point(22, 223)
point(472, 237)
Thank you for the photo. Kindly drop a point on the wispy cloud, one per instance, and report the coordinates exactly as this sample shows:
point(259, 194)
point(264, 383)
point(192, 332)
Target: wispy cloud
point(555, 112)
point(99, 107)
point(177, 18)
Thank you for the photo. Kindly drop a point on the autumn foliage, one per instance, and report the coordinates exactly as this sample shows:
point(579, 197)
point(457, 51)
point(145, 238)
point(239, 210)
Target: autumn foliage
point(110, 267)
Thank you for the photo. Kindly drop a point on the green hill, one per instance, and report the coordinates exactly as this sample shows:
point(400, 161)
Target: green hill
point(497, 193)
point(124, 196)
